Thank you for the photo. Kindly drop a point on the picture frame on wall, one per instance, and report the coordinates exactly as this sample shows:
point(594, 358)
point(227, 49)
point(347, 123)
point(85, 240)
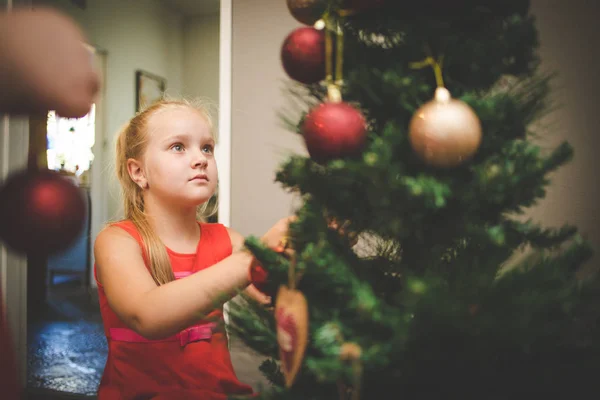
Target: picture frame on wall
point(149, 88)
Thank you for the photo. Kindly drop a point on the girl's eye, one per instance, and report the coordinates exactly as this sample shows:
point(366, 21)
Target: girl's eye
point(178, 147)
point(208, 149)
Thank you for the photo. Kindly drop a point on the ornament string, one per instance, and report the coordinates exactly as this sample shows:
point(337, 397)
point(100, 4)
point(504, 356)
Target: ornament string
point(357, 371)
point(332, 26)
point(351, 353)
point(433, 63)
point(347, 12)
point(328, 50)
point(287, 248)
point(292, 273)
point(333, 78)
point(339, 62)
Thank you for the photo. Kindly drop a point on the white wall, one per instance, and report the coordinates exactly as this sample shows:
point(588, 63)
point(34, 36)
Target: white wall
point(259, 143)
point(566, 32)
point(201, 59)
point(140, 34)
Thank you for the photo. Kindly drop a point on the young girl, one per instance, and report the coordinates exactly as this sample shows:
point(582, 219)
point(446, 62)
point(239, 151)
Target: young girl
point(160, 272)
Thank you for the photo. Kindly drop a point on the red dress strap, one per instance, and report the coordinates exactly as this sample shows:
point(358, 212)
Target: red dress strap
point(215, 238)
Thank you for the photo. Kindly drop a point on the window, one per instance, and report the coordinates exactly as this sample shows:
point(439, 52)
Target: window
point(70, 141)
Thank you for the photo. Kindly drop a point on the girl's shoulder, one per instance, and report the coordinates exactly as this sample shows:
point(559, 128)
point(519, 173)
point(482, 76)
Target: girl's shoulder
point(118, 230)
point(119, 236)
point(125, 224)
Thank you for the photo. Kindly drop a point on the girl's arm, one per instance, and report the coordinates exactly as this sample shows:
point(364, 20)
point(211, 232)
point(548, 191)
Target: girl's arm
point(160, 311)
point(237, 242)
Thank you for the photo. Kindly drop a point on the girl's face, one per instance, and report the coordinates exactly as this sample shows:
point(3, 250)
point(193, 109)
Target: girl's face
point(178, 165)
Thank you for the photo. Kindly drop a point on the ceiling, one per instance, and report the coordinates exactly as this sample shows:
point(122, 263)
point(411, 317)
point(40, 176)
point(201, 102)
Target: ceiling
point(191, 8)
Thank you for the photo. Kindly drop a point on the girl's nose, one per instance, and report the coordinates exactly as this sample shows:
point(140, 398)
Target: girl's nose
point(199, 160)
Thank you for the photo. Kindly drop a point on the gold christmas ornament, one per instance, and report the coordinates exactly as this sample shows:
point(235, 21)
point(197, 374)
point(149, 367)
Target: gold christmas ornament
point(445, 132)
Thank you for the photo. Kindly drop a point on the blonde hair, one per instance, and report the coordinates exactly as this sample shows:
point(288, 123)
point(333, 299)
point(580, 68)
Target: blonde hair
point(131, 143)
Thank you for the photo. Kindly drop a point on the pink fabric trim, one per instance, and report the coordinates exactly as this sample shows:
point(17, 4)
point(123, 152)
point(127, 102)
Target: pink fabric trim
point(182, 274)
point(194, 333)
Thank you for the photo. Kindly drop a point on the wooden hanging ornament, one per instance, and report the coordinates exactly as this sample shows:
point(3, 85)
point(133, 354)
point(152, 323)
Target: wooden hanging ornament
point(291, 316)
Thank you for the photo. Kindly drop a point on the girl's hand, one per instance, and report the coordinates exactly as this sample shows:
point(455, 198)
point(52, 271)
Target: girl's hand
point(277, 235)
point(257, 295)
point(344, 230)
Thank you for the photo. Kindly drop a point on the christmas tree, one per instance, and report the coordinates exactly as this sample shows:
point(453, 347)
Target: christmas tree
point(412, 270)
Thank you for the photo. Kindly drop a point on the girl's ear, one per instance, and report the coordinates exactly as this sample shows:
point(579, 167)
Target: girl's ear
point(136, 173)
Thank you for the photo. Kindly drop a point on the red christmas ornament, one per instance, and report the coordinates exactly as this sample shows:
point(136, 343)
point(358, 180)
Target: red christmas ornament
point(334, 130)
point(40, 212)
point(259, 278)
point(307, 11)
point(303, 55)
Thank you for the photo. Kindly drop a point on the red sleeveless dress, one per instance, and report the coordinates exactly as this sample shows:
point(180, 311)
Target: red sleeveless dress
point(193, 365)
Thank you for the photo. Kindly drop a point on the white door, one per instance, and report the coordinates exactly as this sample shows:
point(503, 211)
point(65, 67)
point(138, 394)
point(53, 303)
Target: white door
point(99, 175)
point(13, 267)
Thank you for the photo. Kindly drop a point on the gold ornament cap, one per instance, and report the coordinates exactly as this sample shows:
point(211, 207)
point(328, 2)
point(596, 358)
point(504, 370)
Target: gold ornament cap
point(442, 95)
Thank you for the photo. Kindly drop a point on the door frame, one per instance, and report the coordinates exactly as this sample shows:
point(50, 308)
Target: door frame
point(223, 148)
point(98, 179)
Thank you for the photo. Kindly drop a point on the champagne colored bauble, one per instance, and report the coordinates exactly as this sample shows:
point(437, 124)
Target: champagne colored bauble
point(445, 132)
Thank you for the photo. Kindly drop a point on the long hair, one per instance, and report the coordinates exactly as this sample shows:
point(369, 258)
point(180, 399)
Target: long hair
point(131, 143)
